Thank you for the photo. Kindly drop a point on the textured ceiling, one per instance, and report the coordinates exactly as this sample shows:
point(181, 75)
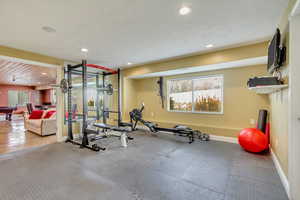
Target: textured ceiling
point(16, 73)
point(137, 31)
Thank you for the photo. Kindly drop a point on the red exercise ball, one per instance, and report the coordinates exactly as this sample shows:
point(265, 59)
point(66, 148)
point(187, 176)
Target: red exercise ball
point(253, 140)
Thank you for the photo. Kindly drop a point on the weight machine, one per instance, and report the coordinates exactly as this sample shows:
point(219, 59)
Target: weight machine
point(180, 130)
point(81, 71)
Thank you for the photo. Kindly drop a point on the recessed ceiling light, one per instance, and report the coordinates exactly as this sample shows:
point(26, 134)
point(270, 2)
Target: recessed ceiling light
point(44, 73)
point(84, 50)
point(129, 63)
point(209, 46)
point(184, 10)
point(48, 29)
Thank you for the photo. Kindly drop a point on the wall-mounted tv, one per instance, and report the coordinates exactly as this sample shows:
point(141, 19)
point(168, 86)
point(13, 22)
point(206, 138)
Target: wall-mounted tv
point(276, 54)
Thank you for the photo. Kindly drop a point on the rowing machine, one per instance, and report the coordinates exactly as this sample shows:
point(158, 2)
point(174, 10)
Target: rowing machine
point(136, 116)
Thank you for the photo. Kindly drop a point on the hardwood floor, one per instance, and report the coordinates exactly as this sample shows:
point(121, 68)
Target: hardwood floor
point(13, 136)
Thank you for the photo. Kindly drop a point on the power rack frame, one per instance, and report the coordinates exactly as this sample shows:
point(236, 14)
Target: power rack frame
point(81, 70)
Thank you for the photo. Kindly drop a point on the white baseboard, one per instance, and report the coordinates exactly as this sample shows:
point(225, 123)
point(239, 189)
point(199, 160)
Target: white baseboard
point(62, 139)
point(282, 176)
point(224, 139)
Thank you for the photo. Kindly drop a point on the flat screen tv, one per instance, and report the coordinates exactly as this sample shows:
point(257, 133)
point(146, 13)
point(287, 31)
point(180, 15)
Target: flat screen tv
point(274, 53)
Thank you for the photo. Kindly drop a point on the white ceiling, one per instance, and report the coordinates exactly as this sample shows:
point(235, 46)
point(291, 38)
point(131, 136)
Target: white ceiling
point(137, 31)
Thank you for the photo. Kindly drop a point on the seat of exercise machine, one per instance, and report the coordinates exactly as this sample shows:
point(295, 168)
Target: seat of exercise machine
point(125, 124)
point(110, 127)
point(182, 128)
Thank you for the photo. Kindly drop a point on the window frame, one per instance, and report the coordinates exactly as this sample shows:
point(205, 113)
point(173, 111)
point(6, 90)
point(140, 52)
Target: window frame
point(18, 92)
point(193, 105)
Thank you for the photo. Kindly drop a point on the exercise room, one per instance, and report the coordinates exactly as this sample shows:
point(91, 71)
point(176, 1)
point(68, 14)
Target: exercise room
point(150, 100)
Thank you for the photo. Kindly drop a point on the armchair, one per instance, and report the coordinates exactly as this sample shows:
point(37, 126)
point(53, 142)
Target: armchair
point(41, 126)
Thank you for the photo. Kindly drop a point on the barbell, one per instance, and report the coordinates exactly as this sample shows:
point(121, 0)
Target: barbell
point(64, 86)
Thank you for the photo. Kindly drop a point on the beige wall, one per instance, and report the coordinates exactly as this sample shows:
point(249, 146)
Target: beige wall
point(129, 85)
point(279, 127)
point(279, 121)
point(279, 102)
point(236, 94)
point(240, 104)
point(129, 100)
point(16, 53)
point(227, 55)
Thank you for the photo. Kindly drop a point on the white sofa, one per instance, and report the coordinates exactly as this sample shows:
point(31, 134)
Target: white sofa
point(42, 126)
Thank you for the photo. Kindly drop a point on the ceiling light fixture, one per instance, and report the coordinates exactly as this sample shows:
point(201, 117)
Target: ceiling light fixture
point(184, 10)
point(209, 46)
point(44, 73)
point(84, 50)
point(129, 63)
point(48, 29)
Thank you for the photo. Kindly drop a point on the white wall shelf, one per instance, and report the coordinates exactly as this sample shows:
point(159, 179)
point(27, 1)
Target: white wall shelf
point(268, 89)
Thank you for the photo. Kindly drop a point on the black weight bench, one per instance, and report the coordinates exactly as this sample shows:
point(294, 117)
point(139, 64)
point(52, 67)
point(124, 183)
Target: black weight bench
point(106, 127)
point(110, 127)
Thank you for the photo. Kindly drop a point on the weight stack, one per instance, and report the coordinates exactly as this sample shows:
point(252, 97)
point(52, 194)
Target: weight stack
point(262, 120)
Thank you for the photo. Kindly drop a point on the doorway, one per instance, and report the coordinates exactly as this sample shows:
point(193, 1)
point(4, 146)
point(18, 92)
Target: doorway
point(25, 88)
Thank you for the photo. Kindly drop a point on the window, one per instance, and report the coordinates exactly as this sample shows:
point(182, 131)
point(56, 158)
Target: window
point(53, 97)
point(196, 94)
point(18, 98)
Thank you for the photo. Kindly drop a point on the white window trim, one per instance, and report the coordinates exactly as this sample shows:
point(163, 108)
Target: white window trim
point(14, 90)
point(193, 78)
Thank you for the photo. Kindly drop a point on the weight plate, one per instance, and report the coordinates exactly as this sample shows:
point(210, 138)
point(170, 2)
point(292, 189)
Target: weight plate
point(64, 85)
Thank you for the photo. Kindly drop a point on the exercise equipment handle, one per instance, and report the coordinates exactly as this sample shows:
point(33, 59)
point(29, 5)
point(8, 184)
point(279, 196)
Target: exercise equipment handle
point(102, 68)
point(142, 108)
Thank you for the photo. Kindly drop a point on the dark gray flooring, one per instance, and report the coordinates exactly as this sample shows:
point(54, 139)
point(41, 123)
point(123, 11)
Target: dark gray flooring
point(151, 168)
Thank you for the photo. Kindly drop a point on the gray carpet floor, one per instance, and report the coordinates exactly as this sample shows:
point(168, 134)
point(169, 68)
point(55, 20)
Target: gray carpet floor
point(151, 168)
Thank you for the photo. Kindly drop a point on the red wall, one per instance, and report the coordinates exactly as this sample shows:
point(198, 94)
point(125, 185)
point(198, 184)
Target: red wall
point(4, 93)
